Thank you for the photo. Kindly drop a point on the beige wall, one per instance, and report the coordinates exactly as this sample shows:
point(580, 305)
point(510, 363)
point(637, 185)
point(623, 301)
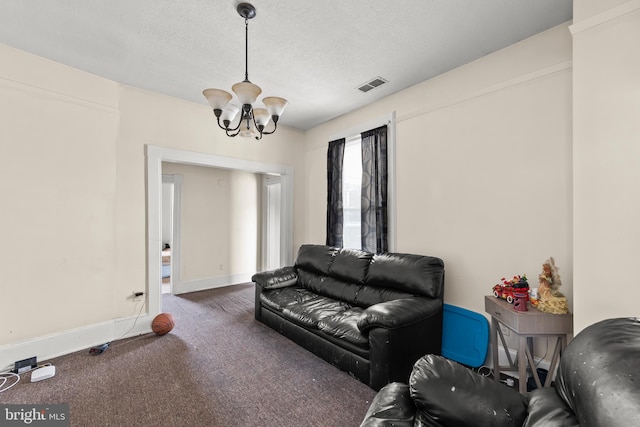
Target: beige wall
point(72, 148)
point(583, 9)
point(606, 153)
point(58, 137)
point(219, 221)
point(244, 225)
point(483, 167)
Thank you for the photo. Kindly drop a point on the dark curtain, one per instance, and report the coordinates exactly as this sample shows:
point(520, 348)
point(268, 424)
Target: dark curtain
point(374, 190)
point(335, 158)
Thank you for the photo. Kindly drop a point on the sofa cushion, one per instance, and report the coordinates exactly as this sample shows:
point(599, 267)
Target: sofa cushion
point(308, 313)
point(328, 286)
point(277, 299)
point(343, 325)
point(316, 258)
point(360, 295)
point(417, 274)
point(351, 265)
point(369, 295)
point(547, 409)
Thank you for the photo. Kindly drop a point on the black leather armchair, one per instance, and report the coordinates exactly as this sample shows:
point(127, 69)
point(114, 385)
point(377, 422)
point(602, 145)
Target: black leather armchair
point(597, 385)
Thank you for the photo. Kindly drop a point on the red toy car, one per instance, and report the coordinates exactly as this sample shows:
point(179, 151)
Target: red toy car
point(517, 287)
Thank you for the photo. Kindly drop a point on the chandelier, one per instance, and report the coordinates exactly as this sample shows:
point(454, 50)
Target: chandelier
point(252, 120)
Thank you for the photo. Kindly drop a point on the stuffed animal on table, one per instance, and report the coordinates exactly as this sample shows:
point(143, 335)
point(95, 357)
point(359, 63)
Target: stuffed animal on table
point(551, 300)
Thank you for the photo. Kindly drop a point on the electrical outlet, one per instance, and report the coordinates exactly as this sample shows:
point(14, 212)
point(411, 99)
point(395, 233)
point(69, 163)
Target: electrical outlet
point(505, 331)
point(221, 266)
point(25, 365)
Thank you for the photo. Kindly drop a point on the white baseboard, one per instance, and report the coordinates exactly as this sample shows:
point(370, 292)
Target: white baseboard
point(54, 345)
point(58, 344)
point(210, 283)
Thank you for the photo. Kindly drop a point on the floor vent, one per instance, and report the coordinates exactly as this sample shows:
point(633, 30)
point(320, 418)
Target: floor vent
point(372, 84)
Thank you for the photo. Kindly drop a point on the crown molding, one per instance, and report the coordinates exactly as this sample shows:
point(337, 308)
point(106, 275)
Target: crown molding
point(604, 17)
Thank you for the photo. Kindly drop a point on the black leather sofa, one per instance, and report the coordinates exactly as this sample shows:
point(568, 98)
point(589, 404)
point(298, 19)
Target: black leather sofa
point(597, 385)
point(370, 315)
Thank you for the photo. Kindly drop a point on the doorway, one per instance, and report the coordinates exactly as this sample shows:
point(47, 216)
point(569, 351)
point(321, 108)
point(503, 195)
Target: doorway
point(271, 234)
point(170, 234)
point(167, 234)
point(154, 157)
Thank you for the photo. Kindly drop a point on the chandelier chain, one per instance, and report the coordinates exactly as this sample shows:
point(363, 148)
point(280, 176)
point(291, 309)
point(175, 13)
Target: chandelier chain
point(246, 49)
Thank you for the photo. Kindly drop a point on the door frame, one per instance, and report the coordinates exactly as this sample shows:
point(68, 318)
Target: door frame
point(155, 155)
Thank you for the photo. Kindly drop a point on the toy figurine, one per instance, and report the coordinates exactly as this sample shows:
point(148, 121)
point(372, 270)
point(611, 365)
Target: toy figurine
point(550, 299)
point(512, 289)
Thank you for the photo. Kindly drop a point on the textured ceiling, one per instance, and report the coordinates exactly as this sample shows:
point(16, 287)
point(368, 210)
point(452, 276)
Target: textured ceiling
point(314, 53)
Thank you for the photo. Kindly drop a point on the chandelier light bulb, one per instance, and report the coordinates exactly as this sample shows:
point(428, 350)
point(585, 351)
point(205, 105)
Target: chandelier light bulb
point(217, 98)
point(246, 92)
point(229, 113)
point(261, 116)
point(248, 129)
point(275, 105)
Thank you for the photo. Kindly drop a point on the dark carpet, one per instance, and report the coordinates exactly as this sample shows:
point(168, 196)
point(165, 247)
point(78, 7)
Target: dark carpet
point(218, 367)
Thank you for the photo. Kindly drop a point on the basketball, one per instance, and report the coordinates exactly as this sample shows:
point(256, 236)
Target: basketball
point(162, 324)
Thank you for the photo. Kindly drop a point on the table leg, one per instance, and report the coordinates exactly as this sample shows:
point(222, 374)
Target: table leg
point(532, 365)
point(557, 350)
point(495, 327)
point(522, 363)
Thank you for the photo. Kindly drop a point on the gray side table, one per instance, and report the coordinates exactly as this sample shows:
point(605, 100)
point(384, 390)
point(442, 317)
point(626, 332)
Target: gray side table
point(526, 325)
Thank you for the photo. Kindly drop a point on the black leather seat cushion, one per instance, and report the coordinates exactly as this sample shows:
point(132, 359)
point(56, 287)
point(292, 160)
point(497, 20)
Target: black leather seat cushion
point(278, 299)
point(344, 325)
point(309, 313)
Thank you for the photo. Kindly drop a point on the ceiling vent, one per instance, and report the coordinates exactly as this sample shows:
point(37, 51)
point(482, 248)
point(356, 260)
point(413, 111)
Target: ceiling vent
point(374, 83)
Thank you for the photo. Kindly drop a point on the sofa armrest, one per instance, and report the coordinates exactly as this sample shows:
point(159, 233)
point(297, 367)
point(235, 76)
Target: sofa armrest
point(279, 278)
point(450, 394)
point(397, 313)
point(392, 406)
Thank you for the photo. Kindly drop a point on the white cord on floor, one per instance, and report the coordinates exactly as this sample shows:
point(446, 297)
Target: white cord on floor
point(5, 377)
point(134, 322)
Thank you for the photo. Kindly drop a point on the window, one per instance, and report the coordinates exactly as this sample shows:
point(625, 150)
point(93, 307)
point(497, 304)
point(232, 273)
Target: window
point(351, 192)
point(360, 188)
